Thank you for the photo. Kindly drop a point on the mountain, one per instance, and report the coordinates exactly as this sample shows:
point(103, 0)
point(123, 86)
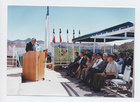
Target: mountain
point(40, 41)
point(128, 45)
point(22, 43)
point(27, 40)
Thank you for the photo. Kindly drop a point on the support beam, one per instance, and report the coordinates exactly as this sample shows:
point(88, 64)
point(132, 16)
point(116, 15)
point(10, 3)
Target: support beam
point(104, 45)
point(112, 37)
point(125, 34)
point(94, 44)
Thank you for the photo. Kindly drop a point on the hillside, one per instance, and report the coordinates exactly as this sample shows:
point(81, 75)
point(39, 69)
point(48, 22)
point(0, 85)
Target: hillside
point(128, 45)
point(22, 44)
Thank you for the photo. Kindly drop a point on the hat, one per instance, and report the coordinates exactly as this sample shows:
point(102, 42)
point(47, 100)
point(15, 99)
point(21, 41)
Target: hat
point(111, 55)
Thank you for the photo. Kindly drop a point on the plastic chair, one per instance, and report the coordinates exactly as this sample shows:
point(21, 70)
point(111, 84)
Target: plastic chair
point(120, 68)
point(124, 81)
point(121, 75)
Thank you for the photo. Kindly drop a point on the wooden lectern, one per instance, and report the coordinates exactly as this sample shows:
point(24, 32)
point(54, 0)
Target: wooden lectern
point(33, 65)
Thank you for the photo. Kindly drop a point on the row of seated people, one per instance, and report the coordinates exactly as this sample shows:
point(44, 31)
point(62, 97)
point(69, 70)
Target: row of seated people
point(93, 70)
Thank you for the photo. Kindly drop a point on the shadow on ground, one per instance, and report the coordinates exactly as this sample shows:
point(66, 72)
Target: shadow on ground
point(14, 75)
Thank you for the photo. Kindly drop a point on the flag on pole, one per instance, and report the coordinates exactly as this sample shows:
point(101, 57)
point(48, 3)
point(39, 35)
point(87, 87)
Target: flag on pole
point(67, 36)
point(79, 36)
point(47, 33)
point(53, 37)
point(73, 36)
point(60, 36)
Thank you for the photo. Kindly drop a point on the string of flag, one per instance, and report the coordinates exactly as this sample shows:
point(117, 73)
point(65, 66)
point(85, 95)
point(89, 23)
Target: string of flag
point(60, 38)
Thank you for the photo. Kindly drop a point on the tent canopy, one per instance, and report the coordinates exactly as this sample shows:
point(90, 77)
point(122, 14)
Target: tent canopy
point(122, 31)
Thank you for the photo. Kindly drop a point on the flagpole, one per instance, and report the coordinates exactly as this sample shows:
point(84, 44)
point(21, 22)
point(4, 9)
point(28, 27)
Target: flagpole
point(53, 53)
point(79, 47)
point(47, 38)
point(73, 43)
point(53, 45)
point(79, 42)
point(67, 45)
point(60, 53)
point(67, 53)
point(73, 52)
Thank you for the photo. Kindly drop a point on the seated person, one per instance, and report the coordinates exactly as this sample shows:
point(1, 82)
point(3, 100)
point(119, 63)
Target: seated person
point(99, 69)
point(98, 61)
point(72, 64)
point(94, 56)
point(127, 61)
point(119, 60)
point(131, 74)
point(110, 72)
point(88, 65)
point(81, 66)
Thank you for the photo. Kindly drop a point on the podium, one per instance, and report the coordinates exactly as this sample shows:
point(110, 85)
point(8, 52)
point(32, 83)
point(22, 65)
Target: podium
point(33, 65)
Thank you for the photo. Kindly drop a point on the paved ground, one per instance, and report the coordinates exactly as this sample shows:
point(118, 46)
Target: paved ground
point(55, 84)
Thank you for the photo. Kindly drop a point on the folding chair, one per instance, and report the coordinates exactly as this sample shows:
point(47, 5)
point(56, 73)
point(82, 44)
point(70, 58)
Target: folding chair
point(120, 68)
point(124, 81)
point(121, 75)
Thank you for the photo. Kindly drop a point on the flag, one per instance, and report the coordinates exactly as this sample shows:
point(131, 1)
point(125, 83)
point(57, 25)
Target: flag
point(73, 36)
point(60, 36)
point(67, 36)
point(79, 36)
point(47, 33)
point(53, 36)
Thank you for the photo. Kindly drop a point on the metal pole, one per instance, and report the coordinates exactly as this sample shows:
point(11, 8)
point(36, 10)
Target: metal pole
point(94, 44)
point(53, 54)
point(73, 52)
point(104, 45)
point(60, 53)
point(79, 47)
point(93, 48)
point(67, 53)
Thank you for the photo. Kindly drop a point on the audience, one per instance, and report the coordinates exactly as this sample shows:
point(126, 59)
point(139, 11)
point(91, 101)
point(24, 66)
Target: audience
point(81, 65)
point(73, 64)
point(90, 63)
point(119, 60)
point(98, 61)
point(132, 68)
point(109, 73)
point(85, 71)
point(99, 69)
point(94, 70)
point(127, 61)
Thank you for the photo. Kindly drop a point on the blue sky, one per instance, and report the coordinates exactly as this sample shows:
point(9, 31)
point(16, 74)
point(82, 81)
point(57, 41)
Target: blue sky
point(29, 21)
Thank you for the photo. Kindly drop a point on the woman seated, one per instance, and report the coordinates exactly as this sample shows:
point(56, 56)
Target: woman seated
point(89, 65)
point(82, 64)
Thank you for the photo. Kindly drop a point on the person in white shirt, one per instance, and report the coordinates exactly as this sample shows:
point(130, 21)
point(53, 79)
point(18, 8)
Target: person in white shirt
point(98, 61)
point(119, 60)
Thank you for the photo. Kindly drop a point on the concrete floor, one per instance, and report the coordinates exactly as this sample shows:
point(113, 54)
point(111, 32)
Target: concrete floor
point(56, 83)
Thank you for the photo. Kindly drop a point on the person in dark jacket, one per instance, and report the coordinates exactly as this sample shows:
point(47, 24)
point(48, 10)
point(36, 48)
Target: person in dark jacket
point(127, 61)
point(72, 64)
point(82, 64)
point(31, 45)
point(88, 80)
